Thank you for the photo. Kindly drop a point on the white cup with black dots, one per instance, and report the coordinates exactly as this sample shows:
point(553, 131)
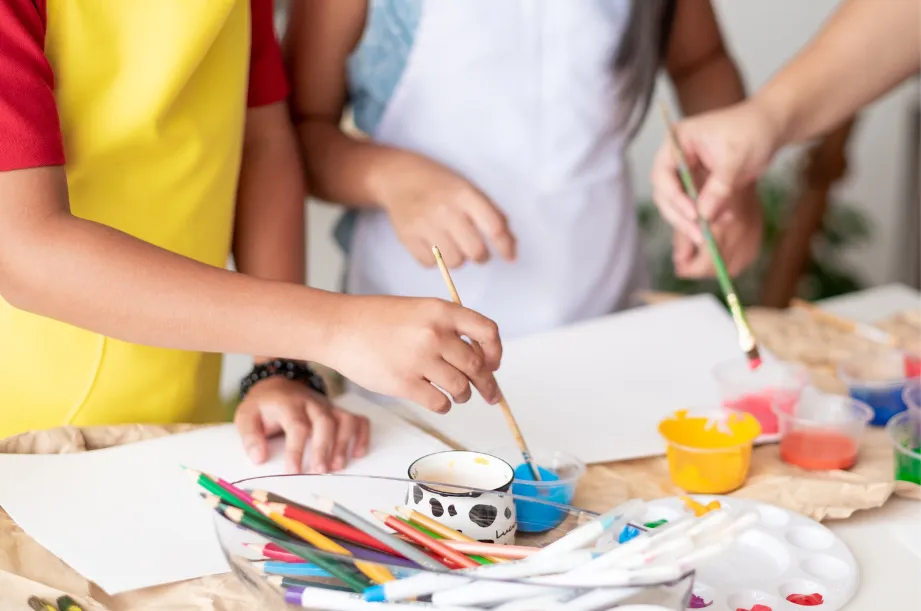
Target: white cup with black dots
point(485, 517)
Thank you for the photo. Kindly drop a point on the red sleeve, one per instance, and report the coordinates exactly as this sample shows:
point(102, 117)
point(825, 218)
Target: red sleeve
point(30, 131)
point(267, 81)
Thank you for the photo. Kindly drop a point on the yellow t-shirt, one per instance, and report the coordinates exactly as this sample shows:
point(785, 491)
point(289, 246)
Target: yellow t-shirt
point(152, 98)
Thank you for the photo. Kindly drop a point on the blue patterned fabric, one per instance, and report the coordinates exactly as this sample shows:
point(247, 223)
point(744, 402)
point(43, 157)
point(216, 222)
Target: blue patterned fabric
point(376, 66)
point(374, 70)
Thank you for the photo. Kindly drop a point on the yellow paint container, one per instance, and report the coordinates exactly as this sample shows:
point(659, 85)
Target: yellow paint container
point(709, 457)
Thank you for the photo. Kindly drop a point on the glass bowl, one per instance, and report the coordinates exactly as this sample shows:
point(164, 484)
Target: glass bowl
point(288, 585)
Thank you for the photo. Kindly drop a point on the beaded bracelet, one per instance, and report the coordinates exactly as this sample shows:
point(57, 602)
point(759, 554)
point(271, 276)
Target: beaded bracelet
point(293, 370)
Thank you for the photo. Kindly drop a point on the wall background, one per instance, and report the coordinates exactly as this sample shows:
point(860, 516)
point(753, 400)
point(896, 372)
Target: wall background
point(762, 35)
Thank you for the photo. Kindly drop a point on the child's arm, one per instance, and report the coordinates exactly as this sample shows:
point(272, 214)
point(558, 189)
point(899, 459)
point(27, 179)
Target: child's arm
point(428, 204)
point(96, 277)
point(706, 78)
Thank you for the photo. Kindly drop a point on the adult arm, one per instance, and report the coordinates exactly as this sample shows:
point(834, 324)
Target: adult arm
point(867, 48)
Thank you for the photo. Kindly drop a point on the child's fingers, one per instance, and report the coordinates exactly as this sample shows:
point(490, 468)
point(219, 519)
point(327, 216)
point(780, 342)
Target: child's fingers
point(492, 223)
point(252, 434)
point(323, 427)
point(468, 239)
point(294, 423)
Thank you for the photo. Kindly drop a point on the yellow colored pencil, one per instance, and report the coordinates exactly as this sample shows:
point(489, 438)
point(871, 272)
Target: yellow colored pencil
point(40, 605)
point(375, 572)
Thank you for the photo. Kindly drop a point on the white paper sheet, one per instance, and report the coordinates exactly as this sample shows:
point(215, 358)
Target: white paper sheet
point(598, 389)
point(129, 517)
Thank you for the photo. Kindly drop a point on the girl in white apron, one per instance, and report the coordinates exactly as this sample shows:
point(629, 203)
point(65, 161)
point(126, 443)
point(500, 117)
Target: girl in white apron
point(527, 104)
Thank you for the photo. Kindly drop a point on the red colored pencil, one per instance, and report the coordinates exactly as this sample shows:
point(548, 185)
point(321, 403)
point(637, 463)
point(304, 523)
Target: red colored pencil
point(420, 538)
point(240, 494)
point(270, 551)
point(330, 526)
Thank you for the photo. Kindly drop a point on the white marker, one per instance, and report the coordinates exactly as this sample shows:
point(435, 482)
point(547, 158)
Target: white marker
point(330, 600)
point(423, 584)
point(586, 534)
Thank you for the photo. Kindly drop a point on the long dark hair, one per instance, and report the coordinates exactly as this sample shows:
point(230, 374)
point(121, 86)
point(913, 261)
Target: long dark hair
point(641, 53)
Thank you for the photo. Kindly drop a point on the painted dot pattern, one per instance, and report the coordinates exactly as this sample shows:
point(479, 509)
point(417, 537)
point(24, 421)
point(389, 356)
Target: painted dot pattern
point(437, 509)
point(451, 511)
point(483, 515)
point(417, 494)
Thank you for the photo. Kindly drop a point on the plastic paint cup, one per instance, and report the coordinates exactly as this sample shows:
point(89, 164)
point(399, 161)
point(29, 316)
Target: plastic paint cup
point(708, 457)
point(878, 378)
point(760, 391)
point(824, 432)
point(905, 435)
point(912, 398)
point(559, 471)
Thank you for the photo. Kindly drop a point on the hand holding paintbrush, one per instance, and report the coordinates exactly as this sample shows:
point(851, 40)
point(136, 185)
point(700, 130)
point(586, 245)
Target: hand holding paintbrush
point(506, 410)
point(746, 338)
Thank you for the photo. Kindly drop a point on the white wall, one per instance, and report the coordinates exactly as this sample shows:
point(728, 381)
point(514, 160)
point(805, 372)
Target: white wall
point(762, 34)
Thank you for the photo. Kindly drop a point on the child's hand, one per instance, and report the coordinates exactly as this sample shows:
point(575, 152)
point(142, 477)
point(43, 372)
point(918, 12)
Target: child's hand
point(738, 234)
point(278, 405)
point(429, 205)
point(405, 347)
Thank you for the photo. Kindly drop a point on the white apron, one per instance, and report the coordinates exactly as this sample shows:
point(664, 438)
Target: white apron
point(520, 98)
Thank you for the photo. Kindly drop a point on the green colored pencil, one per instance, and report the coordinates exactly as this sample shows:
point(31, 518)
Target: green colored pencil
point(746, 338)
point(435, 535)
point(351, 578)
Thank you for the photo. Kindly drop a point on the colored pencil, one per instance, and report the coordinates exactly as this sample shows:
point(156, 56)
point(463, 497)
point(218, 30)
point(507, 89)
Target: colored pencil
point(425, 541)
point(40, 605)
point(402, 547)
point(212, 486)
point(325, 524)
point(236, 515)
point(492, 550)
point(281, 581)
point(434, 535)
point(237, 492)
point(746, 338)
point(503, 404)
point(274, 552)
point(376, 572)
point(437, 527)
point(290, 569)
point(66, 603)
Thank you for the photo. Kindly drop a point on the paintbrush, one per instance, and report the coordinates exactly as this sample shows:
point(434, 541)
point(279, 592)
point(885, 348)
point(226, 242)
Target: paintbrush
point(503, 404)
point(746, 338)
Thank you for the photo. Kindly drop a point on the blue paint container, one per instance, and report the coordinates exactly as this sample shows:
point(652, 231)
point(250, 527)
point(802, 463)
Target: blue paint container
point(878, 379)
point(559, 472)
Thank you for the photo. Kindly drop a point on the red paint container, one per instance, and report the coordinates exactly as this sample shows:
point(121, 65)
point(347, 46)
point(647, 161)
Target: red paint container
point(823, 433)
point(761, 392)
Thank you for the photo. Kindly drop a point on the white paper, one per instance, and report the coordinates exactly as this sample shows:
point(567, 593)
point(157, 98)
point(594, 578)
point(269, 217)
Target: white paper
point(128, 517)
point(598, 389)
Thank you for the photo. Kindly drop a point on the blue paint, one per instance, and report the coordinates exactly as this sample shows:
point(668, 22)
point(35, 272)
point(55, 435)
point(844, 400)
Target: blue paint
point(536, 517)
point(629, 532)
point(886, 401)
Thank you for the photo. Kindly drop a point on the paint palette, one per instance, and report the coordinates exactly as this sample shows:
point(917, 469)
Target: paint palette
point(786, 555)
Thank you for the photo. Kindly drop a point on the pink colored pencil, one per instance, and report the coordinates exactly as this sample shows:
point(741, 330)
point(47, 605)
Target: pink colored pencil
point(270, 551)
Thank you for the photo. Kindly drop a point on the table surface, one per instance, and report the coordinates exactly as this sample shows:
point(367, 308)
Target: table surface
point(890, 570)
point(890, 577)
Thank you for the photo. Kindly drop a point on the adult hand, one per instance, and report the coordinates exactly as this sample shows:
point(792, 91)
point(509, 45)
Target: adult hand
point(429, 204)
point(738, 233)
point(730, 147)
point(405, 347)
point(278, 405)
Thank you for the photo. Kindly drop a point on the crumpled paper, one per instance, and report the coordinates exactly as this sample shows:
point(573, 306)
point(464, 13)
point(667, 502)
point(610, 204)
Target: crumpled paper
point(26, 568)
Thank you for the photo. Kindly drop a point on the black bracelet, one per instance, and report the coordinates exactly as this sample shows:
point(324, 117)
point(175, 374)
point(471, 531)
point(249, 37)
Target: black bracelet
point(293, 370)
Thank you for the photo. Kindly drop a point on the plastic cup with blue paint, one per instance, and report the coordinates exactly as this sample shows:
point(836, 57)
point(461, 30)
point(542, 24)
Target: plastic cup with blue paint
point(879, 378)
point(559, 472)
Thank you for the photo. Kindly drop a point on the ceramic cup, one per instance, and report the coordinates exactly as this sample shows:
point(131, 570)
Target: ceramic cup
point(482, 516)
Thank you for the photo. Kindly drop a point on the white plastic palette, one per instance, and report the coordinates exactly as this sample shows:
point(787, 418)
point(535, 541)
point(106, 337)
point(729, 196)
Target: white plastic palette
point(787, 553)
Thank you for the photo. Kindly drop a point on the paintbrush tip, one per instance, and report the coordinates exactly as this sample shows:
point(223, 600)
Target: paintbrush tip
point(754, 358)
